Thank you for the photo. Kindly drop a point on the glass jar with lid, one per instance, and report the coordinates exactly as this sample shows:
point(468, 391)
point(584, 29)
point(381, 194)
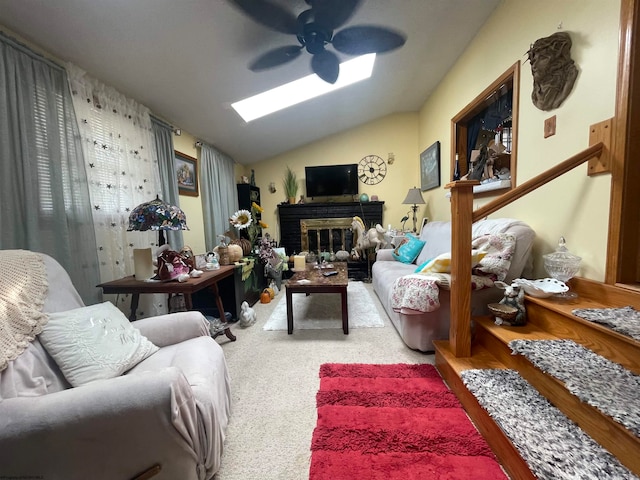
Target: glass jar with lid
point(562, 265)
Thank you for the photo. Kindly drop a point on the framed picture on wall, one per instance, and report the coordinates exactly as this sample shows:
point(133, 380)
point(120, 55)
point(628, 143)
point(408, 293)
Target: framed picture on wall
point(186, 174)
point(430, 167)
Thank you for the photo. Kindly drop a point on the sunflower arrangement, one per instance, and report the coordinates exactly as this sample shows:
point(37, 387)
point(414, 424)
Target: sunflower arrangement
point(249, 220)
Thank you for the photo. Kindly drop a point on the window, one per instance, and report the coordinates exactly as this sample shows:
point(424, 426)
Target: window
point(484, 134)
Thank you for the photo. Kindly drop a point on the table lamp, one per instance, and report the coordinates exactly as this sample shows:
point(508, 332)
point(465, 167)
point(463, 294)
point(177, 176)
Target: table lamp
point(153, 215)
point(414, 197)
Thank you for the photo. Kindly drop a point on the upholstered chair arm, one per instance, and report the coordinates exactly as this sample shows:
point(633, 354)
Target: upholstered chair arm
point(107, 429)
point(384, 255)
point(173, 328)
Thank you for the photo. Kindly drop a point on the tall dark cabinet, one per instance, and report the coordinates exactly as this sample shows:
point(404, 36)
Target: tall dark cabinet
point(247, 194)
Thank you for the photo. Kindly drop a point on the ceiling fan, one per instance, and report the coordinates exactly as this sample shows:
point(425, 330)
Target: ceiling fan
point(314, 29)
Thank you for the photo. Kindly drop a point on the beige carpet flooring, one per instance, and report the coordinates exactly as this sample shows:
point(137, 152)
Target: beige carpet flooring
point(274, 380)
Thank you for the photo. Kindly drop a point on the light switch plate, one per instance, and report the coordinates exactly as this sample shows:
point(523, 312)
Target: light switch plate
point(550, 126)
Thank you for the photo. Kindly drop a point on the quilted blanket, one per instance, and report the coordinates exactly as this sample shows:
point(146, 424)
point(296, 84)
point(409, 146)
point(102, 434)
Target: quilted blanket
point(419, 293)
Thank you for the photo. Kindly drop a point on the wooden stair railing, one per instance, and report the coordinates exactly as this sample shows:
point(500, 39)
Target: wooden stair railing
point(462, 217)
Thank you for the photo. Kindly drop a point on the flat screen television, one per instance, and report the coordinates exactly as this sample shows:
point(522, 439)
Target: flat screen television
point(331, 180)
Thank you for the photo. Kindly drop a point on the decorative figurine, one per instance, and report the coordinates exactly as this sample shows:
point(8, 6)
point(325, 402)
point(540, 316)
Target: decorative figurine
point(247, 315)
point(372, 238)
point(514, 298)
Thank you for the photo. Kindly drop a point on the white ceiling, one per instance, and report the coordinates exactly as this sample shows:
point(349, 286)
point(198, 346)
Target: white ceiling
point(187, 61)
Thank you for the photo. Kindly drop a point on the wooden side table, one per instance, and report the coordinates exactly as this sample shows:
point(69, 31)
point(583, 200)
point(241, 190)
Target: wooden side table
point(209, 279)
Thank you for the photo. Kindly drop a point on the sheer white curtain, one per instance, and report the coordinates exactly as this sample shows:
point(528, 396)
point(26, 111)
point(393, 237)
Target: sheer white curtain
point(122, 171)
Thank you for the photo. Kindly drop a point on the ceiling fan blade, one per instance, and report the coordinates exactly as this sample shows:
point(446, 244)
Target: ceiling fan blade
point(268, 14)
point(365, 39)
point(331, 14)
point(275, 57)
point(326, 65)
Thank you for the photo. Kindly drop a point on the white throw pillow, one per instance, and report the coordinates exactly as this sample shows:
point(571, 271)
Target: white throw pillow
point(94, 343)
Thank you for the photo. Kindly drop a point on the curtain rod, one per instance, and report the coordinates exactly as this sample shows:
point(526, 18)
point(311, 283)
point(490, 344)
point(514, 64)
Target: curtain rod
point(4, 37)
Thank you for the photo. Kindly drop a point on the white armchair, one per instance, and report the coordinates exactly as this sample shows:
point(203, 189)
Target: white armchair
point(168, 413)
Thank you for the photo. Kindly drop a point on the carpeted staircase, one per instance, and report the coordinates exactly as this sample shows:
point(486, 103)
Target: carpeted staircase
point(525, 439)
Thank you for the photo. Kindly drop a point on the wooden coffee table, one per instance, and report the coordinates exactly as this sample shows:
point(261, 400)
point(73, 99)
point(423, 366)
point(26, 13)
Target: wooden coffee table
point(311, 281)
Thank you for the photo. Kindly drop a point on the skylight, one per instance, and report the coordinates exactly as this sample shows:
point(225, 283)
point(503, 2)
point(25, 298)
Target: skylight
point(304, 89)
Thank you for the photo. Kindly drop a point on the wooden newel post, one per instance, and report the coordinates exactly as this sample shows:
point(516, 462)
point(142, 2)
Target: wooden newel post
point(461, 220)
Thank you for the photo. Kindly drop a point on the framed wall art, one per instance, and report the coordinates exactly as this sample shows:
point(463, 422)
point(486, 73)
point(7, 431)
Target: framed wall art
point(186, 174)
point(430, 167)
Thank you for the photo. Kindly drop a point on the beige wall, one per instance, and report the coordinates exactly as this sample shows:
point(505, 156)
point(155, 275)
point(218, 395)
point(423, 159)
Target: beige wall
point(575, 205)
point(395, 133)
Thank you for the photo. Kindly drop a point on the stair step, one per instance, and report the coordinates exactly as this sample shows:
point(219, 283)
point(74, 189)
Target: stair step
point(550, 320)
point(612, 435)
point(594, 379)
point(526, 417)
point(556, 319)
point(450, 368)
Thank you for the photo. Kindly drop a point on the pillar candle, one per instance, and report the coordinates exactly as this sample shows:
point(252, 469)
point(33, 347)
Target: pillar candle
point(299, 262)
point(142, 263)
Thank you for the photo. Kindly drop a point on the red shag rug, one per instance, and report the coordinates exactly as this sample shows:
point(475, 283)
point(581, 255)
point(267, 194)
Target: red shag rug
point(394, 422)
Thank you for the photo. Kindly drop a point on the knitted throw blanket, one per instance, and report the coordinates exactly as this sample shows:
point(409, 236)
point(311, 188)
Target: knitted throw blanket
point(23, 289)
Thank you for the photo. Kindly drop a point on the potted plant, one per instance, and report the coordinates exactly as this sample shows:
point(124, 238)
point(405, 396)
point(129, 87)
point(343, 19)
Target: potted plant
point(290, 184)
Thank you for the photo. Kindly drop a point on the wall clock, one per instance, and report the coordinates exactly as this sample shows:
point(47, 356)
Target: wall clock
point(371, 169)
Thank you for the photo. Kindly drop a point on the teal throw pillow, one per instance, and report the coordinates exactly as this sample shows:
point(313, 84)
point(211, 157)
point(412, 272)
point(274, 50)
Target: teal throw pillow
point(408, 251)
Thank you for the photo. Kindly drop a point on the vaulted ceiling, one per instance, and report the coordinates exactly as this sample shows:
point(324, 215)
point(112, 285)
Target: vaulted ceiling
point(187, 61)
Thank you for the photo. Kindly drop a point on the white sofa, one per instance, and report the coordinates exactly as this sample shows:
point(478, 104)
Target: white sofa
point(418, 329)
point(171, 410)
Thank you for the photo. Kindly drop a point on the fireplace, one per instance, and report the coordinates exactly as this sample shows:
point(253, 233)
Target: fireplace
point(326, 234)
point(291, 218)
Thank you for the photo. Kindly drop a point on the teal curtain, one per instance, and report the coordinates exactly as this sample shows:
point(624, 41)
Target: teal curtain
point(44, 196)
point(163, 139)
point(218, 193)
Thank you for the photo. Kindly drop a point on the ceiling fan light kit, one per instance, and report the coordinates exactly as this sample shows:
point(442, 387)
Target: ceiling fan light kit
point(314, 29)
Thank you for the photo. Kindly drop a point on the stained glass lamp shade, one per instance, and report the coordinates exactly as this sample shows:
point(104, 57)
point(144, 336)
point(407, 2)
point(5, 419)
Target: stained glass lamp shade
point(157, 215)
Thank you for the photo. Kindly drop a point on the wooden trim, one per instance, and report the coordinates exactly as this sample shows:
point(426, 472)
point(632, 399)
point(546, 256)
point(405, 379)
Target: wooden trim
point(622, 245)
point(459, 122)
point(515, 122)
point(460, 304)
